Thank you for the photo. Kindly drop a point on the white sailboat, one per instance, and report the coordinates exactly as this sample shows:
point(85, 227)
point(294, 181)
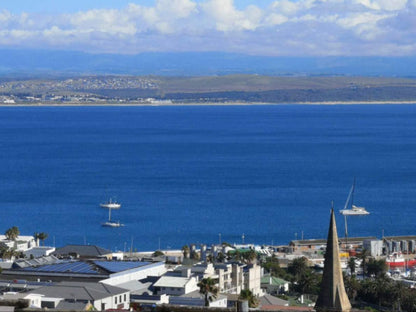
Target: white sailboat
point(111, 205)
point(354, 210)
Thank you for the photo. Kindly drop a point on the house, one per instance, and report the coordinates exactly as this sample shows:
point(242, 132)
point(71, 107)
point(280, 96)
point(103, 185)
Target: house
point(246, 276)
point(274, 285)
point(225, 281)
point(21, 243)
point(37, 252)
point(75, 295)
point(195, 298)
point(83, 252)
point(175, 285)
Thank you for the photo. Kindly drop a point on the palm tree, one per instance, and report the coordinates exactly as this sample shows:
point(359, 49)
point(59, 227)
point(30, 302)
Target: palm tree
point(246, 294)
point(12, 233)
point(352, 265)
point(208, 288)
point(36, 237)
point(220, 257)
point(363, 257)
point(250, 256)
point(42, 237)
point(185, 251)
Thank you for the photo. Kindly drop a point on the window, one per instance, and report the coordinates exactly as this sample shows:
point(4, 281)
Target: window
point(120, 298)
point(115, 298)
point(125, 297)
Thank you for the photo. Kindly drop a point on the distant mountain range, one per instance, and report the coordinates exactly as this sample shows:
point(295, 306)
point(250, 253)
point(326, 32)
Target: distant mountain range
point(39, 63)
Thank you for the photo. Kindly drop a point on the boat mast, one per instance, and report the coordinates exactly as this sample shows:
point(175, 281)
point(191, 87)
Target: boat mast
point(352, 192)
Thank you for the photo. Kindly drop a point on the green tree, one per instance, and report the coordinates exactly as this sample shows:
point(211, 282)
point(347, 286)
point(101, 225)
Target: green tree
point(298, 267)
point(3, 249)
point(376, 268)
point(246, 294)
point(272, 266)
point(408, 300)
point(352, 264)
point(42, 237)
point(185, 251)
point(363, 256)
point(352, 286)
point(158, 253)
point(308, 283)
point(208, 288)
point(12, 233)
point(220, 257)
point(250, 256)
point(36, 237)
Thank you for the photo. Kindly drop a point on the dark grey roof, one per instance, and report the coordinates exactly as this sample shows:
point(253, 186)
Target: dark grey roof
point(71, 306)
point(82, 251)
point(79, 291)
point(267, 300)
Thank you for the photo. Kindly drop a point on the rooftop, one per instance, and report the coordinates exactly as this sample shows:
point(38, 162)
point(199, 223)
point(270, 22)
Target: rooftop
point(80, 291)
point(171, 281)
point(82, 251)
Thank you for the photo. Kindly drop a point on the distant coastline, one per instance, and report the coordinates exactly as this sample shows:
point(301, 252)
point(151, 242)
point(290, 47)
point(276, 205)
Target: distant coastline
point(208, 90)
point(207, 104)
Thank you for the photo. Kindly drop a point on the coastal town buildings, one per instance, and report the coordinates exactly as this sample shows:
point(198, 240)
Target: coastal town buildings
point(41, 275)
point(74, 296)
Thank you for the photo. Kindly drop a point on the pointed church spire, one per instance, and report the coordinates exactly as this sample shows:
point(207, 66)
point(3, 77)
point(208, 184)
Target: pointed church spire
point(332, 296)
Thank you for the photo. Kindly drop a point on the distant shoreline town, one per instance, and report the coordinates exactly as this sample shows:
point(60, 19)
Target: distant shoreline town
point(208, 90)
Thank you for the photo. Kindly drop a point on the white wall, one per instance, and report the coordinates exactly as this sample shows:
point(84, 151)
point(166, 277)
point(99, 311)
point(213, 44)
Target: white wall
point(110, 302)
point(154, 269)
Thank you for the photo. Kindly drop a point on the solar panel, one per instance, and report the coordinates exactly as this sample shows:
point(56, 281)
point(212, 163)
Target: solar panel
point(119, 266)
point(69, 267)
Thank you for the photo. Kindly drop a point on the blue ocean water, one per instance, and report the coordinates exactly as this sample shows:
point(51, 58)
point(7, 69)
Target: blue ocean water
point(186, 174)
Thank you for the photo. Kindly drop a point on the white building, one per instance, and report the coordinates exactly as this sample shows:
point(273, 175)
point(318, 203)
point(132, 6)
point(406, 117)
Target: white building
point(374, 246)
point(22, 243)
point(75, 295)
point(37, 252)
point(135, 274)
point(175, 285)
point(195, 298)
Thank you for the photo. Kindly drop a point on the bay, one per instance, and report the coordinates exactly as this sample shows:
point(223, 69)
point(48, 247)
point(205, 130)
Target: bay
point(185, 174)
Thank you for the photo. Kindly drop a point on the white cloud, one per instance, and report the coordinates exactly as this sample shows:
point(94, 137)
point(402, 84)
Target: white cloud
point(5, 17)
point(386, 5)
point(289, 27)
point(227, 18)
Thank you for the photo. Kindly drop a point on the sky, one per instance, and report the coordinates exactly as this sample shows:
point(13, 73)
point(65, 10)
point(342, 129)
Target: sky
point(262, 27)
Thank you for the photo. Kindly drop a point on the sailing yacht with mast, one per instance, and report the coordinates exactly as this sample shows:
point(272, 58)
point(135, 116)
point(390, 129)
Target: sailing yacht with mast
point(111, 205)
point(354, 210)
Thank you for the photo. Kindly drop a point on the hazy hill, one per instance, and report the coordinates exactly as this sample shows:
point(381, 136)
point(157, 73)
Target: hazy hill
point(63, 63)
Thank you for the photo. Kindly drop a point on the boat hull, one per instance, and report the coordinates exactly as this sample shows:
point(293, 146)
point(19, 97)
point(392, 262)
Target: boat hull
point(110, 206)
point(348, 212)
point(407, 263)
point(112, 224)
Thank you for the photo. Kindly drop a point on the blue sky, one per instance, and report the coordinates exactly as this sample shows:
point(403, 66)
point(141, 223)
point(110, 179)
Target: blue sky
point(263, 27)
point(64, 6)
